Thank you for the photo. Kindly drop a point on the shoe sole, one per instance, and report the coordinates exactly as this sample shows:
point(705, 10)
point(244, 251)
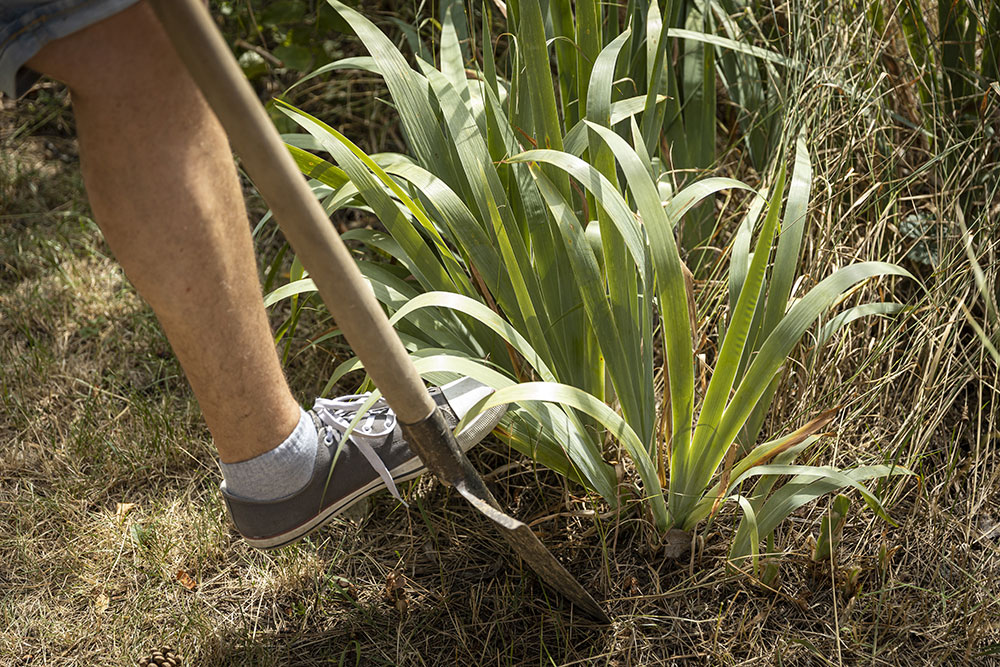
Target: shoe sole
point(470, 436)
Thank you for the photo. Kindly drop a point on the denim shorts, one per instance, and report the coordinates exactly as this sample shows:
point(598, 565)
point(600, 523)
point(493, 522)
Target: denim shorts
point(28, 25)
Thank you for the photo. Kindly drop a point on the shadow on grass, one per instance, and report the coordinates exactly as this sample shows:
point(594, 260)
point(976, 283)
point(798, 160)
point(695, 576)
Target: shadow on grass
point(501, 622)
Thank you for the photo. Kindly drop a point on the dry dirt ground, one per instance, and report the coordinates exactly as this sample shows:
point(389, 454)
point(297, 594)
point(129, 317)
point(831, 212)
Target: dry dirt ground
point(113, 539)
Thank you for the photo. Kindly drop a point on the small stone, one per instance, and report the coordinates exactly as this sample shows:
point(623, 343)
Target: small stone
point(676, 543)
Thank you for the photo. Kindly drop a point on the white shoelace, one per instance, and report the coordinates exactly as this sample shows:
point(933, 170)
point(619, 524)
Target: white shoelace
point(339, 413)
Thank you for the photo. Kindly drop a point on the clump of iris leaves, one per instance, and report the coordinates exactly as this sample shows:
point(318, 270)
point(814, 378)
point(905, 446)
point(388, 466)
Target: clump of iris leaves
point(531, 242)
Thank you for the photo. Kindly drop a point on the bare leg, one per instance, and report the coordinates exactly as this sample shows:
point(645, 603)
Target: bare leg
point(164, 190)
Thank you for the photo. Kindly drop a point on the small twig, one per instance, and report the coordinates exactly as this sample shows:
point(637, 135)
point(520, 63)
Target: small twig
point(260, 51)
point(575, 513)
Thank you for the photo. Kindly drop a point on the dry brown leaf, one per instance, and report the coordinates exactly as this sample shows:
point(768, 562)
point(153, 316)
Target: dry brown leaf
point(186, 580)
point(122, 510)
point(798, 435)
point(101, 603)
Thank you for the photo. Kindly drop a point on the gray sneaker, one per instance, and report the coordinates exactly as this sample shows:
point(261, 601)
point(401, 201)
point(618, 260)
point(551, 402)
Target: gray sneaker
point(374, 457)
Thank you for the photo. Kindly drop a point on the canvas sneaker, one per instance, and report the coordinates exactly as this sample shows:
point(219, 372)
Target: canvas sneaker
point(374, 457)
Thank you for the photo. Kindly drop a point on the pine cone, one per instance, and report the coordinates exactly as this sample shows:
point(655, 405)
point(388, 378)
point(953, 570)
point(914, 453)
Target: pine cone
point(164, 657)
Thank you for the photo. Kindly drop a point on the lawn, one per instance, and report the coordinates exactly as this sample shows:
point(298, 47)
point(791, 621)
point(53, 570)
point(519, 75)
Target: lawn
point(114, 540)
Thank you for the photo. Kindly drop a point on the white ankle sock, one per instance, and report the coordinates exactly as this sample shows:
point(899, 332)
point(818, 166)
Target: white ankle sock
point(280, 472)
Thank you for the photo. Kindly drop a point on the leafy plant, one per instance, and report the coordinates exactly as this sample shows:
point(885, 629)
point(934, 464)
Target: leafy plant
point(956, 59)
point(832, 529)
point(537, 254)
point(279, 34)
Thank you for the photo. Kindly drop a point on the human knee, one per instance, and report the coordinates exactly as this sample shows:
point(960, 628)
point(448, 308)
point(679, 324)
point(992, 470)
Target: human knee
point(123, 54)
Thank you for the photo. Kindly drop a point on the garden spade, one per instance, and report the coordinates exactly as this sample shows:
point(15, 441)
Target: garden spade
point(340, 284)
